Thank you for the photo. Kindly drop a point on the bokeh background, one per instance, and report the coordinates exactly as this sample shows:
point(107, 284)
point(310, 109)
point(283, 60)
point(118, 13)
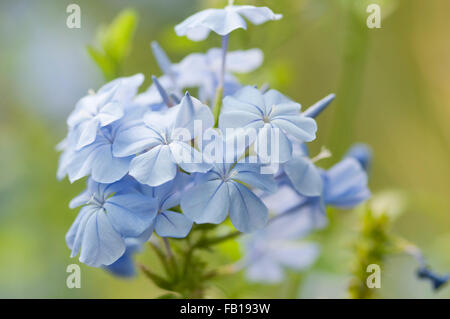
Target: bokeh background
point(392, 87)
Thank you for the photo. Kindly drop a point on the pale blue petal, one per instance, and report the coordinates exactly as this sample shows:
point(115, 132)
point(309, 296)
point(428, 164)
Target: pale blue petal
point(134, 140)
point(106, 168)
point(188, 158)
point(109, 113)
point(154, 167)
point(346, 184)
point(80, 200)
point(240, 119)
point(252, 96)
point(85, 109)
point(74, 236)
point(127, 87)
point(300, 127)
point(304, 176)
point(63, 162)
point(170, 201)
point(102, 244)
point(223, 21)
point(284, 109)
point(207, 202)
point(193, 70)
point(362, 153)
point(124, 266)
point(273, 97)
point(189, 110)
point(297, 223)
point(250, 174)
point(284, 199)
point(296, 256)
point(244, 61)
point(87, 131)
point(264, 270)
point(130, 214)
point(273, 145)
point(247, 212)
point(192, 27)
point(257, 15)
point(198, 26)
point(81, 162)
point(172, 224)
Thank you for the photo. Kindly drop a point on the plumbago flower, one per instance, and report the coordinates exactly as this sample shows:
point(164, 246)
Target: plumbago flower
point(96, 158)
point(100, 109)
point(277, 246)
point(168, 222)
point(163, 141)
point(343, 186)
point(273, 116)
point(110, 214)
point(362, 153)
point(223, 21)
point(124, 266)
point(223, 191)
point(207, 68)
point(199, 70)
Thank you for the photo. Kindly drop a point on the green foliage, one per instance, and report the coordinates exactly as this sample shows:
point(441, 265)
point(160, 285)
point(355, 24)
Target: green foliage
point(186, 273)
point(373, 244)
point(114, 41)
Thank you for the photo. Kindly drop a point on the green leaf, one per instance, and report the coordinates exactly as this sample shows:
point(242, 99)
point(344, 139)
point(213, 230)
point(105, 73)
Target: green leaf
point(157, 280)
point(116, 38)
point(106, 65)
point(114, 42)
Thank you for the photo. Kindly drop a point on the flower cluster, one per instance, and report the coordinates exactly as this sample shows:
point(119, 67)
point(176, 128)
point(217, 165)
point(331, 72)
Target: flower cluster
point(162, 160)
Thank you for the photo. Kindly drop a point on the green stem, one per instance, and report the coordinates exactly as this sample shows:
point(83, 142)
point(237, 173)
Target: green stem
point(163, 259)
point(220, 86)
point(217, 105)
point(208, 242)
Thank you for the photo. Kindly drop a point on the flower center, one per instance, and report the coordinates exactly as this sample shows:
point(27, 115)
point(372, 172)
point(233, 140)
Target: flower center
point(95, 201)
point(165, 138)
point(228, 176)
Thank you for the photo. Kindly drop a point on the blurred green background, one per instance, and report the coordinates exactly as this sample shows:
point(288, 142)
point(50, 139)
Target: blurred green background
point(392, 87)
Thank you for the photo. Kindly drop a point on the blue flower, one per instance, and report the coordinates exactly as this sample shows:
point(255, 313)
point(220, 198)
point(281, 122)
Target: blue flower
point(152, 99)
point(111, 213)
point(274, 117)
point(163, 142)
point(223, 191)
point(200, 70)
point(436, 280)
point(344, 186)
point(223, 21)
point(125, 266)
point(168, 222)
point(101, 109)
point(268, 251)
point(203, 70)
point(362, 153)
point(97, 159)
point(305, 177)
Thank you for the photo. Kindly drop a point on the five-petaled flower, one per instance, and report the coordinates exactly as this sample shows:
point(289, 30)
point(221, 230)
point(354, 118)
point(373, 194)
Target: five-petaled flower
point(163, 142)
point(111, 213)
point(223, 21)
point(275, 117)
